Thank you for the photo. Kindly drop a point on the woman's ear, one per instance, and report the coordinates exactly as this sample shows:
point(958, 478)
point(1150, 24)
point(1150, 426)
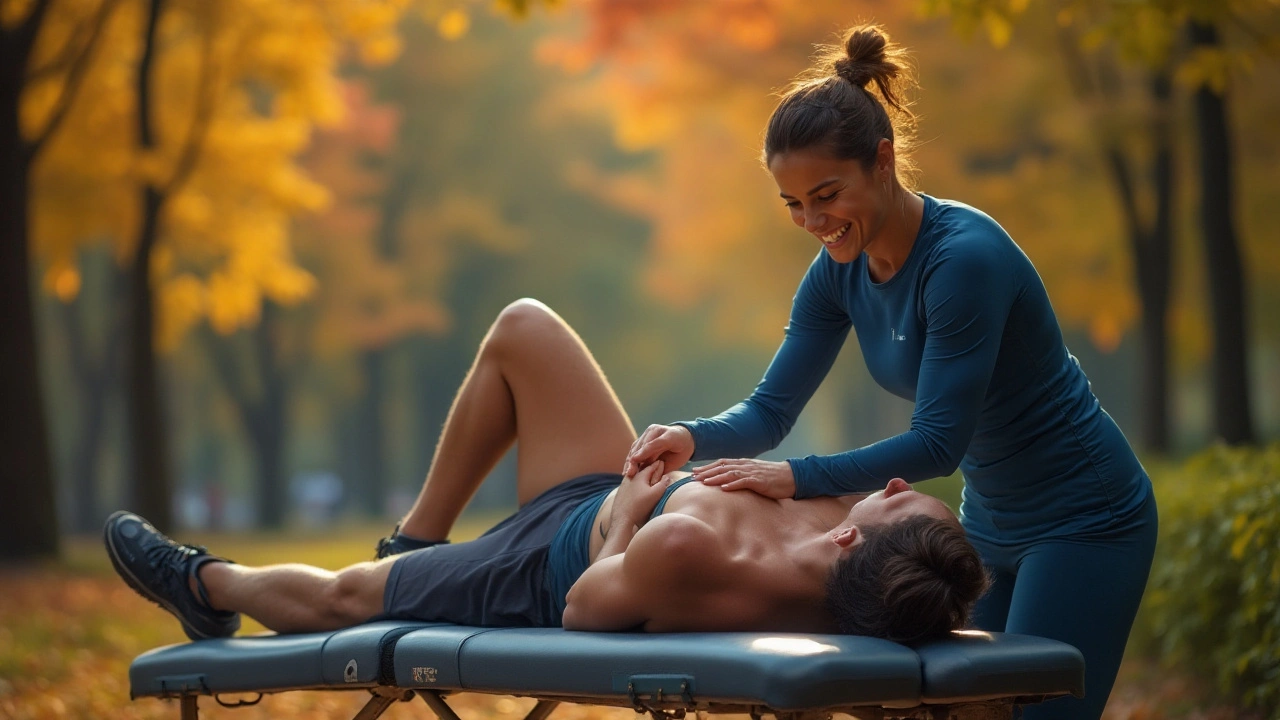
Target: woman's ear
point(885, 159)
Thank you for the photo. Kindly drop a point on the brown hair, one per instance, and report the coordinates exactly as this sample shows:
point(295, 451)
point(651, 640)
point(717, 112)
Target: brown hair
point(853, 95)
point(908, 581)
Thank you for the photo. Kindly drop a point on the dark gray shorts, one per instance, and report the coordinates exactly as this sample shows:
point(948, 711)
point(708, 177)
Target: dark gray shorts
point(500, 578)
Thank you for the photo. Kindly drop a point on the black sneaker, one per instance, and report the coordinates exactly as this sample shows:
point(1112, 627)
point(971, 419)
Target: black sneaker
point(160, 569)
point(397, 543)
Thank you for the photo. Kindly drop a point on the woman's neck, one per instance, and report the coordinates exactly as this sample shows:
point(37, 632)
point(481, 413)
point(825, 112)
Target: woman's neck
point(889, 252)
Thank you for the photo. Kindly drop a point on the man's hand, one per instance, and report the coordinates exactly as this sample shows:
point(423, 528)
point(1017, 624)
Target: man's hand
point(670, 444)
point(770, 479)
point(637, 497)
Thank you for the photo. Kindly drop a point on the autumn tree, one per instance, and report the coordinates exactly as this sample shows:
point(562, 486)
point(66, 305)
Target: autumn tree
point(1166, 39)
point(53, 48)
point(203, 137)
point(370, 300)
point(689, 82)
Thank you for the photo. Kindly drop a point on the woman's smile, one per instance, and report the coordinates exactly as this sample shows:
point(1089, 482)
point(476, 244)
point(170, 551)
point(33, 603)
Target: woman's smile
point(837, 237)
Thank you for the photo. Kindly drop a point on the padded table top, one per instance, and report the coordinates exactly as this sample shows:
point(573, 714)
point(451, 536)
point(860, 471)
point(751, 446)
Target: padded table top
point(777, 671)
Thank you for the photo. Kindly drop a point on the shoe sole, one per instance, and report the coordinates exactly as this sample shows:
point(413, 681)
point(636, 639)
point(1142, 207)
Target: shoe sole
point(132, 581)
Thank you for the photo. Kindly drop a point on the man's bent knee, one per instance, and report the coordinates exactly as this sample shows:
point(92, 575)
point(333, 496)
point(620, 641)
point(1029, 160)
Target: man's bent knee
point(523, 321)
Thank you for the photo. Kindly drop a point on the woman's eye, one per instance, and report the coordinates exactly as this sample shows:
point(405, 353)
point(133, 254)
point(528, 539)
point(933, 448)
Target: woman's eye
point(827, 198)
point(793, 204)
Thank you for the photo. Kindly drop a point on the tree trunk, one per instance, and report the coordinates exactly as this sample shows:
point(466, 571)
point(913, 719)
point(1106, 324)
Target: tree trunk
point(1153, 256)
point(268, 427)
point(370, 434)
point(28, 513)
point(94, 377)
point(1150, 238)
point(152, 486)
point(1232, 420)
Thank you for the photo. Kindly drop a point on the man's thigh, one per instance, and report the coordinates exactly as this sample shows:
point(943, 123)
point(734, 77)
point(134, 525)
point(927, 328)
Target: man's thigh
point(569, 421)
point(500, 578)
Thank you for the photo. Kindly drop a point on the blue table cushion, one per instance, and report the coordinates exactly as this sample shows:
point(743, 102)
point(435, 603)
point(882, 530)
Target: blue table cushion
point(977, 665)
point(351, 657)
point(781, 671)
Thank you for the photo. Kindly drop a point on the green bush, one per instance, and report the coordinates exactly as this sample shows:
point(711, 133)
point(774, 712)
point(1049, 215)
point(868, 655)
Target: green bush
point(1213, 603)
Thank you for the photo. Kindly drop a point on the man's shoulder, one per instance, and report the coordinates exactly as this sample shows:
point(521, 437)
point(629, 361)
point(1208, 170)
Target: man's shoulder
point(676, 542)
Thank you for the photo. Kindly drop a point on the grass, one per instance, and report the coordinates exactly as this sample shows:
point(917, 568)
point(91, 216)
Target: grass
point(69, 630)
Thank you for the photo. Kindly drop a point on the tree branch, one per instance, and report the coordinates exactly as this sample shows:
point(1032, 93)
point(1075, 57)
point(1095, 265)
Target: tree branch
point(75, 77)
point(65, 58)
point(228, 368)
point(24, 34)
point(202, 118)
point(1076, 66)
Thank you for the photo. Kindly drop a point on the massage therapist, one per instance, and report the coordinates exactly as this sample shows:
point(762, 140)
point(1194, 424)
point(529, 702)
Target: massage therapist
point(950, 314)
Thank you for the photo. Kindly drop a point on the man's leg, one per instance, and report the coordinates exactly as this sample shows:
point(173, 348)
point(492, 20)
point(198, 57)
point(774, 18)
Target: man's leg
point(533, 380)
point(298, 598)
point(206, 593)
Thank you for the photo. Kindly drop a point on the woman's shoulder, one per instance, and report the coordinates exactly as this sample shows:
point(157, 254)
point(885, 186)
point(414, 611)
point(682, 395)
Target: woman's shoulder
point(957, 231)
point(954, 221)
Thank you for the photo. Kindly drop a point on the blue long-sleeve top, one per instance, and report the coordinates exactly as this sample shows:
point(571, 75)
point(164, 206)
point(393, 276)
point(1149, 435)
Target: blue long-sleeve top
point(965, 330)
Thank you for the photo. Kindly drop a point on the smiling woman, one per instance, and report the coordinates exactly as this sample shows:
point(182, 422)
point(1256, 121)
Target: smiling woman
point(950, 314)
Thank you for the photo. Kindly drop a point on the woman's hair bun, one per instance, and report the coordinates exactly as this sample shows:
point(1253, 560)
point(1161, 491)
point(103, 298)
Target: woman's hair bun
point(864, 59)
point(868, 56)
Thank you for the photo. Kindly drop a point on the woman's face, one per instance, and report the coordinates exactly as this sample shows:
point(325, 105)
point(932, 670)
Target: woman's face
point(837, 201)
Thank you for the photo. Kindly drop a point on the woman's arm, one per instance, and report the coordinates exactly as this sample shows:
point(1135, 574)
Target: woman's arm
point(814, 335)
point(968, 292)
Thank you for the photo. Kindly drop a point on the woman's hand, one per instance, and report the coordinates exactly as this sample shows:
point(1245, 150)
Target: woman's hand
point(672, 445)
point(638, 496)
point(770, 479)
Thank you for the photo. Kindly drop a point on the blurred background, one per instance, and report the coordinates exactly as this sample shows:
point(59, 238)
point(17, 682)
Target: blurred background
point(250, 247)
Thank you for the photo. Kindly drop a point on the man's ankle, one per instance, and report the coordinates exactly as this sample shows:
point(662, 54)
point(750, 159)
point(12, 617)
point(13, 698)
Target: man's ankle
point(415, 541)
point(207, 580)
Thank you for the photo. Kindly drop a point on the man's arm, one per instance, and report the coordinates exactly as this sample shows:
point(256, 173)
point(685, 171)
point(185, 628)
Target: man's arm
point(655, 570)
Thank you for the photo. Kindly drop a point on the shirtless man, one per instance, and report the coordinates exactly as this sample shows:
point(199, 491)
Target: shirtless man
point(587, 549)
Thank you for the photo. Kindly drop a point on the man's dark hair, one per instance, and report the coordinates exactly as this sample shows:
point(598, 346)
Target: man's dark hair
point(908, 581)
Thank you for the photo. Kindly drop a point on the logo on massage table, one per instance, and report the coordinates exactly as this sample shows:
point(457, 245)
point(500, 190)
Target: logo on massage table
point(424, 674)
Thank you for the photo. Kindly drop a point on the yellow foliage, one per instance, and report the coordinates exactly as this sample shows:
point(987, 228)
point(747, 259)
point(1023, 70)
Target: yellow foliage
point(63, 280)
point(13, 11)
point(181, 305)
point(238, 86)
point(685, 86)
point(453, 24)
point(1211, 67)
point(999, 29)
point(369, 300)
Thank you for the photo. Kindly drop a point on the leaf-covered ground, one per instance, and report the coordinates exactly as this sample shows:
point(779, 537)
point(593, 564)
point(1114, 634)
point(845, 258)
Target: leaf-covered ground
point(68, 632)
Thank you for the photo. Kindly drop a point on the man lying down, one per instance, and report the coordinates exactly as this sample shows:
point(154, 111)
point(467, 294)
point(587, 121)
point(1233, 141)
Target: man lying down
point(587, 549)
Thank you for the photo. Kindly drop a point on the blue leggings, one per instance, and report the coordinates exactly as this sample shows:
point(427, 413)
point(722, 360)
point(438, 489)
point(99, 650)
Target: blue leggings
point(1083, 591)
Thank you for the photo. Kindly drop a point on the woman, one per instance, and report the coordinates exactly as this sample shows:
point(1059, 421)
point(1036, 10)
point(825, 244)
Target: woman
point(950, 314)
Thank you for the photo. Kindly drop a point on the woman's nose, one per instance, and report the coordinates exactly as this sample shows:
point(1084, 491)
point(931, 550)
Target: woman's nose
point(812, 221)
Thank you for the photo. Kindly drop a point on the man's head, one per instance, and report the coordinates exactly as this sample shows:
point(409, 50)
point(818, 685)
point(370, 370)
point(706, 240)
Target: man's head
point(906, 572)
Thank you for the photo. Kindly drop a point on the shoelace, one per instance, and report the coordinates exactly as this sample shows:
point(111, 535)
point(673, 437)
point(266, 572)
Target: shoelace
point(170, 556)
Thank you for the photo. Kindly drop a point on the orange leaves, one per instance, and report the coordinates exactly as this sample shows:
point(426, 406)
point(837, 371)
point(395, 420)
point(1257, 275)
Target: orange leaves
point(691, 82)
point(370, 299)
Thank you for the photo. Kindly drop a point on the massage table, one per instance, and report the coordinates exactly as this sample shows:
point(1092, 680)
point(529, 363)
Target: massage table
point(968, 676)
